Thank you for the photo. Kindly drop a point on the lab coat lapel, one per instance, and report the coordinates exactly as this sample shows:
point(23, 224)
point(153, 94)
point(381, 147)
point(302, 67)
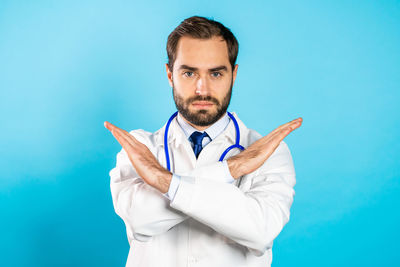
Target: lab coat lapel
point(182, 158)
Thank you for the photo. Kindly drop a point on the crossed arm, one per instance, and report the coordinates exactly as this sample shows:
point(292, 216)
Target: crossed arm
point(244, 163)
point(252, 219)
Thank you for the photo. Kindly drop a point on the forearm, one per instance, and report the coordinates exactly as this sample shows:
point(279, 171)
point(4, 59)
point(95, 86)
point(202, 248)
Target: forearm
point(252, 219)
point(144, 209)
point(162, 180)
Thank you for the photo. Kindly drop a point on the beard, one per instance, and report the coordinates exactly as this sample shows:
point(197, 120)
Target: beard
point(202, 117)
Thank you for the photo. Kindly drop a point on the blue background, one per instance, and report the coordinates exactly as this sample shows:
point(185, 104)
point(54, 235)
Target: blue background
point(68, 66)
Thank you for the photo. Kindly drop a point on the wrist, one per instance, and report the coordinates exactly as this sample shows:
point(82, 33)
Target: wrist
point(234, 167)
point(163, 181)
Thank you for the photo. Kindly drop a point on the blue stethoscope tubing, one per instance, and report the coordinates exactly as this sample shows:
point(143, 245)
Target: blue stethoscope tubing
point(236, 145)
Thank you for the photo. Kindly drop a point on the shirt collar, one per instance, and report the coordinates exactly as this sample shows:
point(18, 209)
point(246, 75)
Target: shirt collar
point(176, 133)
point(213, 131)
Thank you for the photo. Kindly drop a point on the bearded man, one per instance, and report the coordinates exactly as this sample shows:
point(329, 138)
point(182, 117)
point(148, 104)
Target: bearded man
point(185, 199)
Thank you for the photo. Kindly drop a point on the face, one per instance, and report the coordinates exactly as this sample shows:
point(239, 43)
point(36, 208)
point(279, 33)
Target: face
point(202, 80)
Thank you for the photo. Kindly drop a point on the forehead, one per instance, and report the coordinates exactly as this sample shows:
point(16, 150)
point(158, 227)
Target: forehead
point(202, 53)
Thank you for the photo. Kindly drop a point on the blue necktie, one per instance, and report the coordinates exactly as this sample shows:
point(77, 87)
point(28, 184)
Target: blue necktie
point(197, 139)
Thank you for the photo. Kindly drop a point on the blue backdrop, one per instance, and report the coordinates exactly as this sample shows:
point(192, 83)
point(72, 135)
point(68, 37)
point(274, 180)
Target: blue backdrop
point(68, 66)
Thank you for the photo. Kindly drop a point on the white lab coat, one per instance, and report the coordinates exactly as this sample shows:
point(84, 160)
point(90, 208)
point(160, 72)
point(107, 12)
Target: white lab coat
point(209, 222)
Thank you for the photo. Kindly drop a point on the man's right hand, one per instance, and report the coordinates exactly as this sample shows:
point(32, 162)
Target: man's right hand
point(255, 155)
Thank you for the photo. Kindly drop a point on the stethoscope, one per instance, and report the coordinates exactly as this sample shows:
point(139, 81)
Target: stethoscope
point(236, 145)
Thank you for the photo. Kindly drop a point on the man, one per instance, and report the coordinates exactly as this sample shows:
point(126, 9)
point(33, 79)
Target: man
point(203, 212)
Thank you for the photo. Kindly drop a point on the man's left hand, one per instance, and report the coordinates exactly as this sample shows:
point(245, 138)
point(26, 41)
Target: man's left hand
point(144, 162)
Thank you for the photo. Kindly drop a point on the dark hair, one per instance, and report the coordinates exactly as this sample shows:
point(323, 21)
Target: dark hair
point(201, 28)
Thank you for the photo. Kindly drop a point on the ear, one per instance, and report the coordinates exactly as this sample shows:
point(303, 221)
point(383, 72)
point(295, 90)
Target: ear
point(169, 74)
point(234, 73)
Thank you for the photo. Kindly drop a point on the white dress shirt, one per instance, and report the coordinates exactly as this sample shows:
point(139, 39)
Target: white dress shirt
point(209, 222)
point(213, 131)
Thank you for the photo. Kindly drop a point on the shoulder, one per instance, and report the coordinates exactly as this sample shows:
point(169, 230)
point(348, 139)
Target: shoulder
point(152, 140)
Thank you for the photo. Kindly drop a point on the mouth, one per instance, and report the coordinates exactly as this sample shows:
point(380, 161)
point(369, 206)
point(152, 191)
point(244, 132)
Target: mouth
point(202, 104)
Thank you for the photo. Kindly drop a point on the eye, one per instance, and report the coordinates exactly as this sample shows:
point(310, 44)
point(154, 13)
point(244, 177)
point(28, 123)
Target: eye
point(188, 73)
point(216, 74)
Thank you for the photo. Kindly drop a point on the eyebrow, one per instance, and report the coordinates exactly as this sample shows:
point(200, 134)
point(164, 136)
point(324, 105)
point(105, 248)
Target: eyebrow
point(186, 67)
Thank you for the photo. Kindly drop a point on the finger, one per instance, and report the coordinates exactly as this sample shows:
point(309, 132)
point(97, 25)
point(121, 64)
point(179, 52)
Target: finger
point(126, 145)
point(279, 136)
point(127, 136)
point(112, 127)
point(109, 125)
point(290, 123)
point(275, 137)
point(123, 142)
point(294, 124)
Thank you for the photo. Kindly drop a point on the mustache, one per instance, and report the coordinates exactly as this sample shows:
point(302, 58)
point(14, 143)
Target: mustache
point(202, 98)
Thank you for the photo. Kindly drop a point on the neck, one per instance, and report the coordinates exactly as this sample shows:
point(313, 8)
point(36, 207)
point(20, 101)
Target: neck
point(197, 127)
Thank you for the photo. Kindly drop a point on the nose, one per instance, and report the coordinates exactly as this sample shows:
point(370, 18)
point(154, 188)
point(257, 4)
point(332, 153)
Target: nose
point(202, 86)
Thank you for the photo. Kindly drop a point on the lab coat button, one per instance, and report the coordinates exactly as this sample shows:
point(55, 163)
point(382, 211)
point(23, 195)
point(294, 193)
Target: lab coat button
point(192, 259)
